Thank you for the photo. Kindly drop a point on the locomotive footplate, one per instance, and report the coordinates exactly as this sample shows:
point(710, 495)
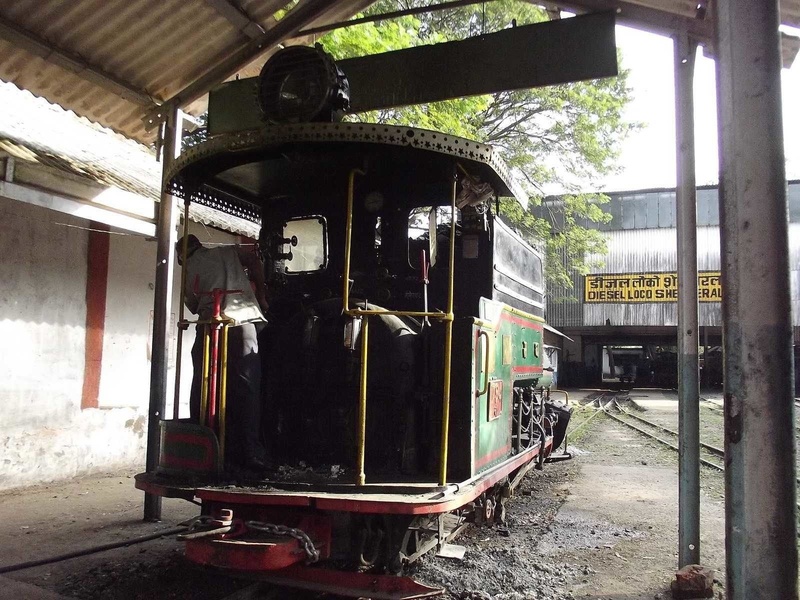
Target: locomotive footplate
point(369, 498)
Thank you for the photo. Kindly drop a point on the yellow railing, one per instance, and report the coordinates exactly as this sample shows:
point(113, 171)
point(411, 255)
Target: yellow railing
point(222, 383)
point(366, 313)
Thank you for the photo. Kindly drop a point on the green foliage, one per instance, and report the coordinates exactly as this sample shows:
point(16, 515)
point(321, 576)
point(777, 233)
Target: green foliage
point(565, 135)
point(566, 236)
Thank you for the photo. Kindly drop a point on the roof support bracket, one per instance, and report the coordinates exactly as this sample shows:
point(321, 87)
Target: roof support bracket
point(237, 17)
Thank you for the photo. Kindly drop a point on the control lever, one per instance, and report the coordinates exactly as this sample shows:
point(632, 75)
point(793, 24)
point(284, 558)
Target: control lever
point(424, 266)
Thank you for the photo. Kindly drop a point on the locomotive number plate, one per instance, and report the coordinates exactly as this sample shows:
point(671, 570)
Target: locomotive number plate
point(495, 400)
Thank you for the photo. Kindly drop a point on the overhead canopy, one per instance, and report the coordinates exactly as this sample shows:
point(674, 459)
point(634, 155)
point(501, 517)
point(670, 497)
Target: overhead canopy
point(116, 61)
point(66, 163)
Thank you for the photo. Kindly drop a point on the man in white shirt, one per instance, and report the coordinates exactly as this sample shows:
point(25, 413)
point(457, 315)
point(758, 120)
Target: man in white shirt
point(230, 268)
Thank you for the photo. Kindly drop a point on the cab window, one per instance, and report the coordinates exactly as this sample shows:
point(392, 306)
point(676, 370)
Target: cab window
point(425, 223)
point(306, 247)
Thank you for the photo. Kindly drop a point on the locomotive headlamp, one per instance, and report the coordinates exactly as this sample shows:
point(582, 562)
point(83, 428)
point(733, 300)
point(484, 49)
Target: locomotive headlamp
point(301, 84)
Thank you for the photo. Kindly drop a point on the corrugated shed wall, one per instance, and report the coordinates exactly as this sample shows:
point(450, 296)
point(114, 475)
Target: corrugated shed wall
point(642, 239)
point(565, 307)
point(655, 250)
point(652, 251)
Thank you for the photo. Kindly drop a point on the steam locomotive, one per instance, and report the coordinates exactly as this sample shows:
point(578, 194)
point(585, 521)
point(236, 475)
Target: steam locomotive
point(405, 388)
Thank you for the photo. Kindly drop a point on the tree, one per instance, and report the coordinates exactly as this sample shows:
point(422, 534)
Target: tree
point(565, 135)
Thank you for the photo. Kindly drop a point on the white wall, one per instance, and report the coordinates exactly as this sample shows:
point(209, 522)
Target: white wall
point(125, 380)
point(43, 302)
point(44, 433)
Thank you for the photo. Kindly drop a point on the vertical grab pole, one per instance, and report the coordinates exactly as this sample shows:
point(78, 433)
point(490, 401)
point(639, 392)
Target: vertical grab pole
point(760, 450)
point(362, 392)
point(448, 340)
point(213, 377)
point(348, 238)
point(176, 407)
point(204, 386)
point(223, 388)
point(362, 404)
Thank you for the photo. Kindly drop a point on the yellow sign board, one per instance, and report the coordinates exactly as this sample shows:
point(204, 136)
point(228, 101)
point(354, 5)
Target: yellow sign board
point(647, 287)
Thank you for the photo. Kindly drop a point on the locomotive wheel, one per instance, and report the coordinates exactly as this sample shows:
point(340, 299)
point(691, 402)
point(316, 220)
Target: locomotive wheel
point(484, 511)
point(488, 510)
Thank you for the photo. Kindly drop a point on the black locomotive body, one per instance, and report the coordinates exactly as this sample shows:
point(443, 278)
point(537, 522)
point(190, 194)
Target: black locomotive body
point(403, 379)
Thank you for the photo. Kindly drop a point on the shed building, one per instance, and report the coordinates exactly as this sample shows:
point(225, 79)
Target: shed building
point(626, 306)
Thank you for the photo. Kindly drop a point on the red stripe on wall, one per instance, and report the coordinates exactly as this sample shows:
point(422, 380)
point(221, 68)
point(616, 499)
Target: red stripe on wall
point(96, 289)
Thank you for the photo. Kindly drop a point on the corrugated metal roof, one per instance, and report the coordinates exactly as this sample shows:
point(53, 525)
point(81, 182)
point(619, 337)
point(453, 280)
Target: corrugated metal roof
point(34, 130)
point(114, 60)
point(152, 48)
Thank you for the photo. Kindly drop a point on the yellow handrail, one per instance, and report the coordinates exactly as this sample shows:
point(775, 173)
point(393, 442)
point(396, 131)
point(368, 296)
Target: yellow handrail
point(348, 238)
point(559, 392)
point(362, 404)
point(448, 341)
point(223, 388)
point(447, 317)
point(206, 367)
point(356, 312)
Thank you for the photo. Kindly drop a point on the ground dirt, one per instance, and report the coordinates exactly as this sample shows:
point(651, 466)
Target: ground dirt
point(600, 526)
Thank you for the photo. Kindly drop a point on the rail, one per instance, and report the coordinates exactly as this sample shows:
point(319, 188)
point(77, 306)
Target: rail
point(718, 452)
point(662, 441)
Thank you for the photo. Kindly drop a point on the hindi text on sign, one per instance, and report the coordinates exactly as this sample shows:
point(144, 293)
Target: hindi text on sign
point(647, 287)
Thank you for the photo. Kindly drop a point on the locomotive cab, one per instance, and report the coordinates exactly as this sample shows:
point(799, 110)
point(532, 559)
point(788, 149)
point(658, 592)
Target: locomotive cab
point(383, 214)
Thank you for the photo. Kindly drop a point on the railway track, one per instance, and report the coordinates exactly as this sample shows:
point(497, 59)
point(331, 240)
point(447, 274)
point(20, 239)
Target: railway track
point(714, 456)
point(711, 456)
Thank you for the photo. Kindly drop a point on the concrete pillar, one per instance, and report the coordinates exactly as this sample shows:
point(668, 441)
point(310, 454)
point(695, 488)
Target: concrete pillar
point(761, 542)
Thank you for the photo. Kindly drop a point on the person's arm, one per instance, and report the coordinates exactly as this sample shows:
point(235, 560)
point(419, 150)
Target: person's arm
point(190, 298)
point(255, 268)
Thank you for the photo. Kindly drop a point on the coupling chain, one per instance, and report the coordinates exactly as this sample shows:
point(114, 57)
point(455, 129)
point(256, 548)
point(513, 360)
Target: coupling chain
point(283, 531)
point(204, 526)
point(199, 522)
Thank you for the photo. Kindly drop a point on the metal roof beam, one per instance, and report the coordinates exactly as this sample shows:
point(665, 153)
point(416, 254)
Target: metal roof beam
point(237, 17)
point(665, 23)
point(287, 27)
point(395, 14)
point(78, 208)
point(40, 47)
point(640, 17)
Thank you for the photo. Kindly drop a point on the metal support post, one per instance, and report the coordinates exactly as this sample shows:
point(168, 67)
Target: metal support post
point(165, 262)
point(760, 495)
point(685, 50)
point(704, 379)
